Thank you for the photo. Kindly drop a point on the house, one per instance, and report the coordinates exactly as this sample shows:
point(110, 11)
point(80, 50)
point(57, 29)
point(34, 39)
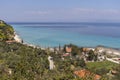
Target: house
point(100, 57)
point(66, 54)
point(107, 50)
point(87, 49)
point(112, 73)
point(51, 63)
point(68, 49)
point(10, 41)
point(85, 73)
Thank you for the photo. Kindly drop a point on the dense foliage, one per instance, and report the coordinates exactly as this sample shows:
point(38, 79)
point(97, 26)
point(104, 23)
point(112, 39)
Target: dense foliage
point(28, 63)
point(6, 32)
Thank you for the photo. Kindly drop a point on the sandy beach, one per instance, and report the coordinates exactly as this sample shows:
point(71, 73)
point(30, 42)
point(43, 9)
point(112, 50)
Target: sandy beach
point(17, 38)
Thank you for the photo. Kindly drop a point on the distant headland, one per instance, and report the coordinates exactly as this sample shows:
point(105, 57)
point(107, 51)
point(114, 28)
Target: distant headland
point(7, 33)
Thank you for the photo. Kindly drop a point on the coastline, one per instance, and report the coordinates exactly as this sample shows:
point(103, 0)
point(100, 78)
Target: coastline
point(101, 49)
point(54, 34)
point(18, 39)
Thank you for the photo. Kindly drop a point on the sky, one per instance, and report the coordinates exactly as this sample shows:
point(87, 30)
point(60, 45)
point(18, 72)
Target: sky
point(60, 10)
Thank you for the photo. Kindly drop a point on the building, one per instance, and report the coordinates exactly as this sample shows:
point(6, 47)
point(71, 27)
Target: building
point(85, 73)
point(51, 62)
point(68, 49)
point(66, 54)
point(100, 57)
point(106, 50)
point(87, 49)
point(10, 41)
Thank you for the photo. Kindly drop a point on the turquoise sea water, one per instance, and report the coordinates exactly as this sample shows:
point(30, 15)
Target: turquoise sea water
point(81, 34)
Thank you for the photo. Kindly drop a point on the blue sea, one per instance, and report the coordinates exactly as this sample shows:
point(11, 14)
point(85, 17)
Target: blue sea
point(80, 34)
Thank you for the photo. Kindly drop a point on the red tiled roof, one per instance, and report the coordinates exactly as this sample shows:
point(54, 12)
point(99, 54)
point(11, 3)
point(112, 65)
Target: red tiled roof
point(10, 41)
point(66, 54)
point(84, 73)
point(68, 49)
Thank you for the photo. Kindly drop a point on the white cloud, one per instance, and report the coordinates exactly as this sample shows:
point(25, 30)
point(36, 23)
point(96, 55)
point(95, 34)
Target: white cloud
point(93, 14)
point(75, 14)
point(36, 12)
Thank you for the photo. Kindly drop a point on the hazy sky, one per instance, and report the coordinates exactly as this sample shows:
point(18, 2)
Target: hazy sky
point(60, 10)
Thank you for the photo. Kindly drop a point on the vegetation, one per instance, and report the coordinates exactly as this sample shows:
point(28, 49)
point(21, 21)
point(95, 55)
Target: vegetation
point(6, 31)
point(29, 63)
point(22, 62)
point(92, 56)
point(102, 64)
point(75, 49)
point(102, 68)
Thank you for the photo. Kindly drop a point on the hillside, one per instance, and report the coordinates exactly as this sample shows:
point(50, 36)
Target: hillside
point(23, 62)
point(6, 31)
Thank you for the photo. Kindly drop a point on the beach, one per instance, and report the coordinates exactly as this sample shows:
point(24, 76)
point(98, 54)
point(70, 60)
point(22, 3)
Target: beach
point(17, 38)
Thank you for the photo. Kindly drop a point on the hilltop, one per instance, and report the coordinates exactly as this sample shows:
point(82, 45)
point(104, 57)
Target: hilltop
point(6, 31)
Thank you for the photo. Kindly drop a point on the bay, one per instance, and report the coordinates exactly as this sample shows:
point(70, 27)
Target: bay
point(81, 34)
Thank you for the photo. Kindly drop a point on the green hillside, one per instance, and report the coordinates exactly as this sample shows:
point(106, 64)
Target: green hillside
point(6, 31)
point(22, 62)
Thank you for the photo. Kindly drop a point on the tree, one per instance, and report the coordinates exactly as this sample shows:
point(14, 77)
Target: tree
point(81, 62)
point(91, 55)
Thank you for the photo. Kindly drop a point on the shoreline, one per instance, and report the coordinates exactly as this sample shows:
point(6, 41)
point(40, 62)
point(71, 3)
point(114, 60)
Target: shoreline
point(18, 39)
point(101, 49)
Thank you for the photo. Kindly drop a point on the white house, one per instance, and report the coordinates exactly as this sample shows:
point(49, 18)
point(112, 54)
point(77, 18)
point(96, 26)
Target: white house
point(51, 62)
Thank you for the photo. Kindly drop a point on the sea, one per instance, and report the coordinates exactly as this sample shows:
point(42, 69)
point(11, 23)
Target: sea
point(84, 34)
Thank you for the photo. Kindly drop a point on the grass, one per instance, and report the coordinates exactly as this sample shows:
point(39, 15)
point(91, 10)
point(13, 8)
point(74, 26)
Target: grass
point(101, 68)
point(1, 25)
point(103, 64)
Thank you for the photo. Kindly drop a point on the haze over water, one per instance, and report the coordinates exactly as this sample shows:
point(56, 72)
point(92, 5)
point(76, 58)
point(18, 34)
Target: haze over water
point(81, 34)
